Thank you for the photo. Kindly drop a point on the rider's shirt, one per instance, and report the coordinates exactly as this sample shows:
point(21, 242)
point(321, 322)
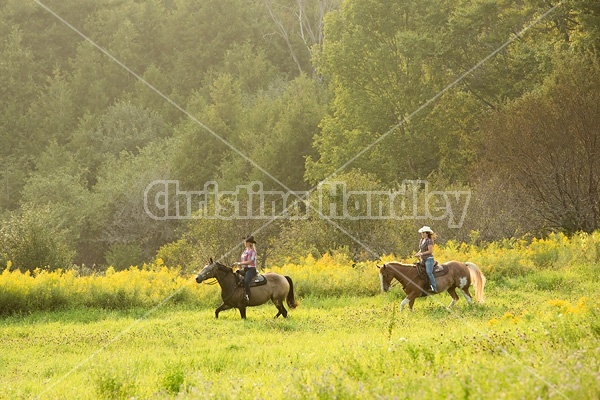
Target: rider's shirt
point(249, 254)
point(424, 246)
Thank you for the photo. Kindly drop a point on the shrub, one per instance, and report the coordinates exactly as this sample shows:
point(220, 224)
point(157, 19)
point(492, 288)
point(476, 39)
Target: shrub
point(31, 241)
point(559, 264)
point(134, 287)
point(545, 252)
point(123, 255)
point(179, 254)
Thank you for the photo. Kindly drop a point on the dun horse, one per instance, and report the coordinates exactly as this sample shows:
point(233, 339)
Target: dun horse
point(457, 275)
point(278, 288)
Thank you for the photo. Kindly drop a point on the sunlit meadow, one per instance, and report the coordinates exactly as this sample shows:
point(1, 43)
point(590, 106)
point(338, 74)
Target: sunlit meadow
point(115, 336)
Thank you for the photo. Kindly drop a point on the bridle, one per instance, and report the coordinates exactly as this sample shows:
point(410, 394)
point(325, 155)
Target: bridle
point(215, 281)
point(393, 281)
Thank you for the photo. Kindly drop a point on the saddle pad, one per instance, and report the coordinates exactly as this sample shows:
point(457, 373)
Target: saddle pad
point(258, 280)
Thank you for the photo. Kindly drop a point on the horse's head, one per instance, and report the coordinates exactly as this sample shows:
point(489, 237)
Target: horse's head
point(385, 277)
point(209, 271)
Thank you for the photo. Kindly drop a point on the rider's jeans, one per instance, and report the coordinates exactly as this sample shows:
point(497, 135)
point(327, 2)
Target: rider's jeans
point(429, 262)
point(250, 274)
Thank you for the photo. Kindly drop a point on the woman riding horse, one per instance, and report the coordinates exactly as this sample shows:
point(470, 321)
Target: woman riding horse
point(459, 275)
point(249, 263)
point(278, 288)
point(426, 253)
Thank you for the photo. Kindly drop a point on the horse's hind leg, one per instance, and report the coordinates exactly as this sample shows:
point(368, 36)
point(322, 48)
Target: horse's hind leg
point(452, 292)
point(465, 292)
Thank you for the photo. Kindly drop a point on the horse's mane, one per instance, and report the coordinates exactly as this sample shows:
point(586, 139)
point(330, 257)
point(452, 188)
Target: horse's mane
point(400, 264)
point(223, 267)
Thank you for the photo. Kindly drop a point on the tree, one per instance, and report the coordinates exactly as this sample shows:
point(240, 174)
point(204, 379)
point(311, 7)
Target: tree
point(17, 90)
point(124, 127)
point(201, 151)
point(342, 218)
point(52, 115)
point(547, 143)
point(389, 64)
point(300, 24)
point(30, 241)
point(276, 131)
point(119, 198)
point(58, 186)
point(382, 61)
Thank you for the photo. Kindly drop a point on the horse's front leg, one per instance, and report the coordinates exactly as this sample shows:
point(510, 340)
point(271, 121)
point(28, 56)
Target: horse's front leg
point(221, 308)
point(411, 302)
point(405, 301)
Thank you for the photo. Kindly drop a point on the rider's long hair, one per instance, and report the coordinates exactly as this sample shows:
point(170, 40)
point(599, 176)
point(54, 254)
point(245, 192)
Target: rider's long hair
point(432, 236)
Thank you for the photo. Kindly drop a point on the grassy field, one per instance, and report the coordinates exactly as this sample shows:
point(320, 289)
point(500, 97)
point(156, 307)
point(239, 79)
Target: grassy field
point(110, 337)
point(521, 344)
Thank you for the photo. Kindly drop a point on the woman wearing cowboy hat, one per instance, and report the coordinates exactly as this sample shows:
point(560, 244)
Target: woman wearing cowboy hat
point(249, 263)
point(426, 253)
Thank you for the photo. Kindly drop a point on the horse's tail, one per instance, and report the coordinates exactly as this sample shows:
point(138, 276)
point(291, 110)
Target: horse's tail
point(291, 301)
point(478, 280)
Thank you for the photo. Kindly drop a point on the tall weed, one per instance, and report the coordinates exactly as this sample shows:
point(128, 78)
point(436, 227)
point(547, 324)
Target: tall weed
point(545, 264)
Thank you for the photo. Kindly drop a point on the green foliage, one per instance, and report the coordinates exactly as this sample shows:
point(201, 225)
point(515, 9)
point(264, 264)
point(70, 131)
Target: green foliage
point(118, 213)
point(385, 61)
point(77, 128)
point(174, 378)
point(330, 226)
point(146, 286)
point(111, 385)
point(29, 241)
point(123, 255)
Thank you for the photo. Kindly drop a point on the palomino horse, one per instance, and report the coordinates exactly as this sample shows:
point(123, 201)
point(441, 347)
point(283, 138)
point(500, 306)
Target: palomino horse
point(277, 289)
point(460, 275)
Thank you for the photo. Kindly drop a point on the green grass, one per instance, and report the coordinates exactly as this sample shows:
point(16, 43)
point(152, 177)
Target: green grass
point(519, 345)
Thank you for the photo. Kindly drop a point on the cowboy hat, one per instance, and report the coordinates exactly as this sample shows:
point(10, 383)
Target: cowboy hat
point(425, 229)
point(249, 239)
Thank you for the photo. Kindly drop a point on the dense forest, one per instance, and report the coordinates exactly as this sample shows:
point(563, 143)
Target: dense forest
point(496, 100)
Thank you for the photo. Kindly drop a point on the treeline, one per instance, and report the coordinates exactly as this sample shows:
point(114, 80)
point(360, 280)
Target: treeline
point(289, 94)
